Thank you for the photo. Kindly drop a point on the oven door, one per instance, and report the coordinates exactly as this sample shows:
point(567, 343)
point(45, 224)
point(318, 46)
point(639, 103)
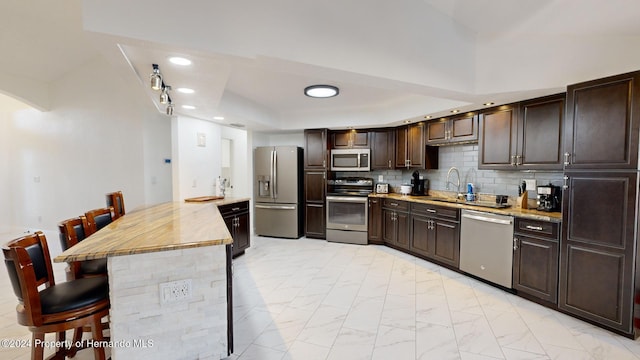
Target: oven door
point(347, 213)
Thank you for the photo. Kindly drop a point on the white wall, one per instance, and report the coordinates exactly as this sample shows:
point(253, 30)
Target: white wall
point(95, 139)
point(195, 168)
point(241, 161)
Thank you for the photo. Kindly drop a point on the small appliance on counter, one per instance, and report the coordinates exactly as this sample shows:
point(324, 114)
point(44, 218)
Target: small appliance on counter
point(406, 189)
point(549, 198)
point(419, 187)
point(382, 188)
point(471, 196)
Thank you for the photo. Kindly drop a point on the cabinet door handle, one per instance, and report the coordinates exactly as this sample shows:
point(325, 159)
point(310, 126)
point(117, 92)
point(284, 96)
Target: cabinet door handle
point(518, 159)
point(565, 186)
point(513, 160)
point(515, 244)
point(393, 204)
point(537, 228)
point(389, 164)
point(567, 158)
point(235, 209)
point(431, 211)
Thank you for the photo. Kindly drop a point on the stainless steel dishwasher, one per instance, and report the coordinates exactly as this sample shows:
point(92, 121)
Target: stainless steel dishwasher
point(486, 246)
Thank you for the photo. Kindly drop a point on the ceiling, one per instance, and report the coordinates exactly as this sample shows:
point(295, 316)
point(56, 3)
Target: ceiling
point(393, 61)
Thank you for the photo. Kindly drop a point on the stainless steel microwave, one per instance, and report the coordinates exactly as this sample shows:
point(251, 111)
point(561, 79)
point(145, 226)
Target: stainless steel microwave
point(350, 160)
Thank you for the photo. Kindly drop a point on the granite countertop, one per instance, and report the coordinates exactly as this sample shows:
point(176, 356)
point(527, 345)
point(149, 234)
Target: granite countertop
point(511, 211)
point(162, 227)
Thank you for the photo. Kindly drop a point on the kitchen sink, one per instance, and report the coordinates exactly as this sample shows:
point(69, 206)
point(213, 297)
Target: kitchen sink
point(488, 204)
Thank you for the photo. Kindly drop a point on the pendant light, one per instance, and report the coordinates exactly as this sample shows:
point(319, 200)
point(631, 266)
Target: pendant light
point(156, 78)
point(170, 109)
point(164, 96)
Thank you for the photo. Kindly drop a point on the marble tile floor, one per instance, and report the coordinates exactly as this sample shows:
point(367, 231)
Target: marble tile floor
point(311, 299)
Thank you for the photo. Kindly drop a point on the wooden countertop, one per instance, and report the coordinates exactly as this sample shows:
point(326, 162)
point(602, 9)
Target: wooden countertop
point(162, 227)
point(511, 211)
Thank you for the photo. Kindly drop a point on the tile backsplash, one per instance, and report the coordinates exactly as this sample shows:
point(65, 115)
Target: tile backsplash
point(465, 159)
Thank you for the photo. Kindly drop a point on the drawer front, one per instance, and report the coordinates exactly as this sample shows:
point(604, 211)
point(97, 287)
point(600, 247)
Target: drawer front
point(395, 204)
point(538, 228)
point(234, 208)
point(435, 211)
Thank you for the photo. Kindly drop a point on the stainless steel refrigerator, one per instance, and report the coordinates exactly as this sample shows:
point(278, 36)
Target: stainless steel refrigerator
point(278, 191)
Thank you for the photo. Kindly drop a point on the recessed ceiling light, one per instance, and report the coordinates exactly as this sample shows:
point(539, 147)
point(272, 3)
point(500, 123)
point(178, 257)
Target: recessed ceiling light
point(488, 104)
point(428, 117)
point(218, 118)
point(407, 121)
point(180, 61)
point(190, 107)
point(321, 91)
point(185, 90)
point(455, 111)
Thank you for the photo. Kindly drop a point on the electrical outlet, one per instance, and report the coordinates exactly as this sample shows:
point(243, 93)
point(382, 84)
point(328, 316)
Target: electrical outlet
point(175, 291)
point(380, 178)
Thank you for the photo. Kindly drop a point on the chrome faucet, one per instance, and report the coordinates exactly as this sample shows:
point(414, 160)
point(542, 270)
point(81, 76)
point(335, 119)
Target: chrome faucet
point(453, 168)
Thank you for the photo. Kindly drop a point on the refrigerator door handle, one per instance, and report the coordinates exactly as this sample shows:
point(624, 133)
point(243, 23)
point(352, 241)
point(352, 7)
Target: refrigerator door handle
point(271, 175)
point(276, 207)
point(275, 174)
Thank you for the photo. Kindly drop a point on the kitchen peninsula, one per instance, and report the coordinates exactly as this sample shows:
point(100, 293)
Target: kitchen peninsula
point(169, 280)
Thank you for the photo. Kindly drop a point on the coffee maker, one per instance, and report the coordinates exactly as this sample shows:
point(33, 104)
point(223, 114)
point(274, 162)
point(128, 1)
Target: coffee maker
point(419, 186)
point(549, 198)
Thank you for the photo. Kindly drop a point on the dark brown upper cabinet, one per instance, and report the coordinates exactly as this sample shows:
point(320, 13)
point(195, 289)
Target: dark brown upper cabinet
point(383, 149)
point(349, 139)
point(315, 149)
point(453, 130)
point(497, 141)
point(602, 123)
point(540, 133)
point(411, 150)
point(523, 136)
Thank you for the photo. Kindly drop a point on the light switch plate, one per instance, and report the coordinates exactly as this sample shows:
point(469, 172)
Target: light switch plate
point(531, 184)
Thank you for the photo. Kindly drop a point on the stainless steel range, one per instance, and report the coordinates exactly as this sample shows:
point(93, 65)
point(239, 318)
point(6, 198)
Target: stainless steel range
point(347, 209)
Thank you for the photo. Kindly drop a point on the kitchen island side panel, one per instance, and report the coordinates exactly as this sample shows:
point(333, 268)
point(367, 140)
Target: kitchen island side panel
point(143, 327)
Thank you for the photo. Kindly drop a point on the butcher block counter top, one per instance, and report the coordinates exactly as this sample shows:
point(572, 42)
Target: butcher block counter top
point(510, 211)
point(161, 227)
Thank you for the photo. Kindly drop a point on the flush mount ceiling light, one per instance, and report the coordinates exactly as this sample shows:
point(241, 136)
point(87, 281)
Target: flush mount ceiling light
point(156, 78)
point(164, 96)
point(170, 109)
point(190, 107)
point(180, 61)
point(186, 90)
point(321, 91)
point(218, 118)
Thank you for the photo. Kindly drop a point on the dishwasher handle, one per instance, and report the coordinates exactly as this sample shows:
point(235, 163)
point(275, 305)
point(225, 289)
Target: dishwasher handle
point(487, 219)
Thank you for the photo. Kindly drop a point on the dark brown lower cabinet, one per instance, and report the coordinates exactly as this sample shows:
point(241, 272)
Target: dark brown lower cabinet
point(435, 236)
point(236, 217)
point(395, 223)
point(374, 234)
point(315, 225)
point(598, 257)
point(535, 259)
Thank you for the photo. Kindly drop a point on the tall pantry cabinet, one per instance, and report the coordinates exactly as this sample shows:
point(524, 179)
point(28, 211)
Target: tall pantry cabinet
point(316, 155)
point(598, 271)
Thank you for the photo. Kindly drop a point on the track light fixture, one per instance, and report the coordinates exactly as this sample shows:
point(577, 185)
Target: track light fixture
point(164, 96)
point(170, 109)
point(156, 78)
